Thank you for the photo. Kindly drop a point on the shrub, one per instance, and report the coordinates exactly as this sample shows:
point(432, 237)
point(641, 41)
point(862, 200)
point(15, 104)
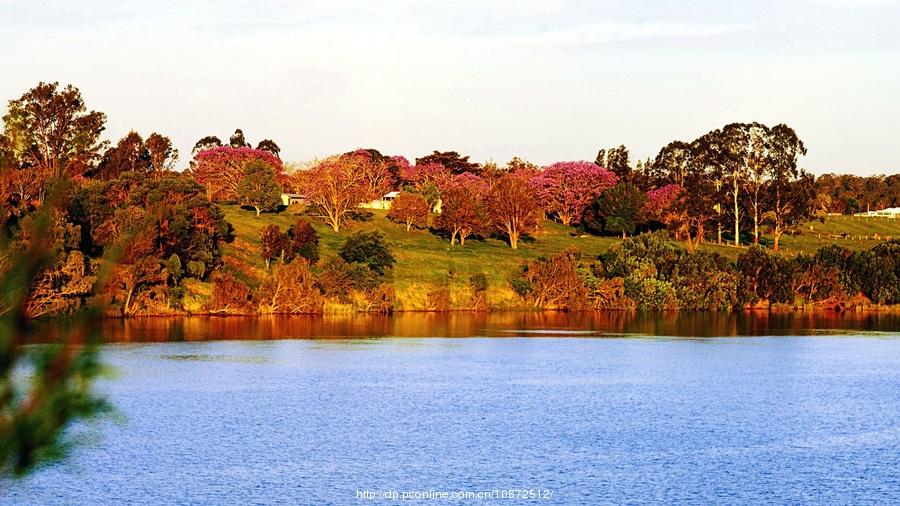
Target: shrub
point(368, 248)
point(764, 276)
point(230, 295)
point(553, 283)
point(196, 269)
point(291, 289)
point(305, 240)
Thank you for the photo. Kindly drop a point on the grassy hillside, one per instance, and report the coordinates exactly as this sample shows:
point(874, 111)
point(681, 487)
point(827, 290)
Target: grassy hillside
point(426, 261)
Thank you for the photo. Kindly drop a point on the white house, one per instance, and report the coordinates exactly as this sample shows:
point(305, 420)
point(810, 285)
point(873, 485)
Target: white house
point(383, 203)
point(289, 199)
point(890, 212)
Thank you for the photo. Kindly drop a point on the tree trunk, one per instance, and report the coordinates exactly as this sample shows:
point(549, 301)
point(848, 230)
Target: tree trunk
point(513, 238)
point(127, 307)
point(452, 238)
point(777, 234)
point(257, 210)
point(755, 223)
point(737, 216)
point(408, 225)
point(623, 235)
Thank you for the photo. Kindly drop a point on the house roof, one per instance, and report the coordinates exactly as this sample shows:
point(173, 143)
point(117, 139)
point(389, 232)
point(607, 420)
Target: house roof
point(391, 194)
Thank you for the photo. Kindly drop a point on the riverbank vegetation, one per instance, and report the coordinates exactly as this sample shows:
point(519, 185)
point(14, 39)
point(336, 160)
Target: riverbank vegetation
point(725, 221)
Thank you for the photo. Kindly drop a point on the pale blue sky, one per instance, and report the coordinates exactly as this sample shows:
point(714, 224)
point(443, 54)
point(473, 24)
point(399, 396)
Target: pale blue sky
point(542, 80)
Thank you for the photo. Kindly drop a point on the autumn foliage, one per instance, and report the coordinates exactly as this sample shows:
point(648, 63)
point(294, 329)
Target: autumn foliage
point(513, 208)
point(409, 209)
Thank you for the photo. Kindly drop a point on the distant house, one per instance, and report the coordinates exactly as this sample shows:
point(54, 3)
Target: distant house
point(383, 203)
point(290, 199)
point(891, 212)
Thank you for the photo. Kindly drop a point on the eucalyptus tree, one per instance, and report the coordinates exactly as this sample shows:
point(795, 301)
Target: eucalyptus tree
point(790, 192)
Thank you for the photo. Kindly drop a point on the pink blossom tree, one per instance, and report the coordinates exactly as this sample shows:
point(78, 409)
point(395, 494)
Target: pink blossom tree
point(567, 188)
point(220, 169)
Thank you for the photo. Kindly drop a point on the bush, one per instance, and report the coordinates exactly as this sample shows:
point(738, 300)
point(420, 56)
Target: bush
point(196, 269)
point(305, 241)
point(291, 289)
point(553, 283)
point(877, 272)
point(368, 248)
point(230, 295)
point(764, 276)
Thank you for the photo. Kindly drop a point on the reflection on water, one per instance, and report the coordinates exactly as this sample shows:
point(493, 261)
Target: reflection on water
point(508, 324)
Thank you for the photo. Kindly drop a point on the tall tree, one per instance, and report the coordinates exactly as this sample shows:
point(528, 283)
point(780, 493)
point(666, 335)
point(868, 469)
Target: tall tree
point(758, 160)
point(237, 140)
point(270, 146)
point(790, 192)
point(163, 155)
point(51, 128)
point(450, 160)
point(671, 164)
point(208, 142)
point(130, 154)
point(734, 141)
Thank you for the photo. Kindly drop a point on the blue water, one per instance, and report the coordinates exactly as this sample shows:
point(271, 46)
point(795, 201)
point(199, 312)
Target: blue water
point(783, 420)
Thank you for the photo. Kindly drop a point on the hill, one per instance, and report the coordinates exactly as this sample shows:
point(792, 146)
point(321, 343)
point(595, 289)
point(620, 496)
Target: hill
point(426, 261)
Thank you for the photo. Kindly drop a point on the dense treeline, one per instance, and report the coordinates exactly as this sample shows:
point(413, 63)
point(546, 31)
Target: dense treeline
point(122, 213)
point(647, 272)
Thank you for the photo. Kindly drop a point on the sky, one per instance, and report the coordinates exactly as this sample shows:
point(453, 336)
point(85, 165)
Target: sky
point(543, 80)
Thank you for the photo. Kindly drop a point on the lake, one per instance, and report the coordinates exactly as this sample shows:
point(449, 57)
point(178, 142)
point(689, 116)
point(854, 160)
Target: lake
point(571, 409)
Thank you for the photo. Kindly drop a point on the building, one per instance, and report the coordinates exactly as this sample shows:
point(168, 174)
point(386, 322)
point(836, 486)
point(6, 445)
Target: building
point(383, 203)
point(290, 199)
point(890, 212)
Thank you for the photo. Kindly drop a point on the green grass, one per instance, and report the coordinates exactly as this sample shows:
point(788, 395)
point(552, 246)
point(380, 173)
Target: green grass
point(426, 261)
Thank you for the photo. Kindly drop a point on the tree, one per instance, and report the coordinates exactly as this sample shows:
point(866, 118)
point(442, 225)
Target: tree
point(336, 188)
point(671, 164)
point(51, 128)
point(617, 210)
point(790, 192)
point(237, 140)
point(368, 248)
point(616, 160)
point(162, 154)
point(305, 240)
point(733, 140)
point(208, 142)
point(39, 413)
point(258, 187)
point(513, 208)
point(373, 167)
point(220, 169)
point(130, 154)
point(409, 209)
point(270, 146)
point(461, 215)
point(450, 160)
point(567, 188)
point(758, 160)
point(271, 243)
